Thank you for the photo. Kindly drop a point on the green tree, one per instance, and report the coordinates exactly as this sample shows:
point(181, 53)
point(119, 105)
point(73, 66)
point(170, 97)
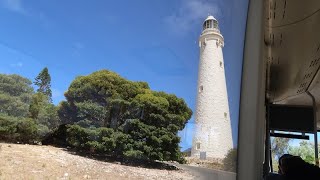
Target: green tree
point(8, 127)
point(17, 103)
point(230, 160)
point(279, 146)
point(41, 107)
point(19, 129)
point(43, 81)
point(305, 150)
point(38, 101)
point(145, 123)
point(15, 95)
point(44, 112)
point(48, 116)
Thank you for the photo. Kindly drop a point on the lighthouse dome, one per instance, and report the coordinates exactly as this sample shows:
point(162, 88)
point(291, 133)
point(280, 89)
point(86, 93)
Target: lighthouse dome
point(210, 23)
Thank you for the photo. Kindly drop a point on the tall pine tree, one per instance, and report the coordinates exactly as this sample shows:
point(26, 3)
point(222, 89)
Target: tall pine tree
point(43, 81)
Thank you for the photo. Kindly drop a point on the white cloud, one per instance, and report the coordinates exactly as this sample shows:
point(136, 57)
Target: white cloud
point(18, 64)
point(191, 12)
point(18, 6)
point(14, 5)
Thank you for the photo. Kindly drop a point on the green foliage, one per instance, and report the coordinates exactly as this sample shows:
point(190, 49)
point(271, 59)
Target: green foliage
point(84, 123)
point(279, 146)
point(8, 127)
point(24, 116)
point(140, 141)
point(43, 131)
point(27, 130)
point(15, 95)
point(37, 102)
point(108, 100)
point(43, 81)
point(106, 114)
point(20, 129)
point(230, 160)
point(305, 150)
point(139, 122)
point(48, 116)
point(43, 111)
point(134, 154)
point(150, 98)
point(57, 137)
point(92, 111)
point(67, 113)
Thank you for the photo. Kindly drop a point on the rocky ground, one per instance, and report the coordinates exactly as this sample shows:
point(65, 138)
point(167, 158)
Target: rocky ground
point(47, 162)
point(211, 164)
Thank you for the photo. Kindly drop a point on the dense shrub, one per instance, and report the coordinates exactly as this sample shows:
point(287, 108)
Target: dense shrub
point(103, 114)
point(230, 161)
point(15, 95)
point(8, 128)
point(27, 130)
point(138, 143)
point(13, 129)
point(25, 116)
point(115, 116)
point(57, 137)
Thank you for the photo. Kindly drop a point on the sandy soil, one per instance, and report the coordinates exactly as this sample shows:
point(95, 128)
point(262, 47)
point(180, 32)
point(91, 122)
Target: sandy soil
point(47, 162)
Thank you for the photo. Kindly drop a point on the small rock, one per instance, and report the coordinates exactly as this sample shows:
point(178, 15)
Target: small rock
point(86, 176)
point(66, 174)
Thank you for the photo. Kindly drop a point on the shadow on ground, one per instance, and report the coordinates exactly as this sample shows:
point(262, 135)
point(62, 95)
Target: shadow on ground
point(58, 139)
point(123, 161)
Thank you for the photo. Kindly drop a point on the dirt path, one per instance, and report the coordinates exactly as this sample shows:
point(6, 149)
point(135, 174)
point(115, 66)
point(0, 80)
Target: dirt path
point(47, 162)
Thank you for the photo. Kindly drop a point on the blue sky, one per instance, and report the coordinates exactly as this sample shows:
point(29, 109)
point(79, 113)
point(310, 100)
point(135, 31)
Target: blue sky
point(152, 41)
point(296, 142)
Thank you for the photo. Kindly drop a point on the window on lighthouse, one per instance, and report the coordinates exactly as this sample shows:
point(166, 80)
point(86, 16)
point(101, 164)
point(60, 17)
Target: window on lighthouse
point(201, 88)
point(198, 146)
point(215, 24)
point(209, 24)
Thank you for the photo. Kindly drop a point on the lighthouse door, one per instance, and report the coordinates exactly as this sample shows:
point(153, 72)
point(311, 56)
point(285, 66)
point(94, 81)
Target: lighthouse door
point(203, 155)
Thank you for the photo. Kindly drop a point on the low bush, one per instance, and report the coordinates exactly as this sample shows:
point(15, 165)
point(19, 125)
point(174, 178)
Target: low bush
point(230, 161)
point(19, 129)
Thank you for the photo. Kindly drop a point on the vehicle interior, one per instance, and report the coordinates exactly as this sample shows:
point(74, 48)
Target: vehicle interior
point(280, 82)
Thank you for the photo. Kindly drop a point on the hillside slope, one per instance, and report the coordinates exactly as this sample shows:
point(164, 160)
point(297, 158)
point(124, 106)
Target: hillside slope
point(47, 162)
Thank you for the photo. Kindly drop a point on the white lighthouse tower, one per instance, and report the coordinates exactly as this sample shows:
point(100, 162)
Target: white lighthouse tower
point(213, 136)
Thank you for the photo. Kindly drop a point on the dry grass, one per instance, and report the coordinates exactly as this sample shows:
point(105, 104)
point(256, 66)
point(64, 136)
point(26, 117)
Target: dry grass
point(47, 162)
point(211, 164)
